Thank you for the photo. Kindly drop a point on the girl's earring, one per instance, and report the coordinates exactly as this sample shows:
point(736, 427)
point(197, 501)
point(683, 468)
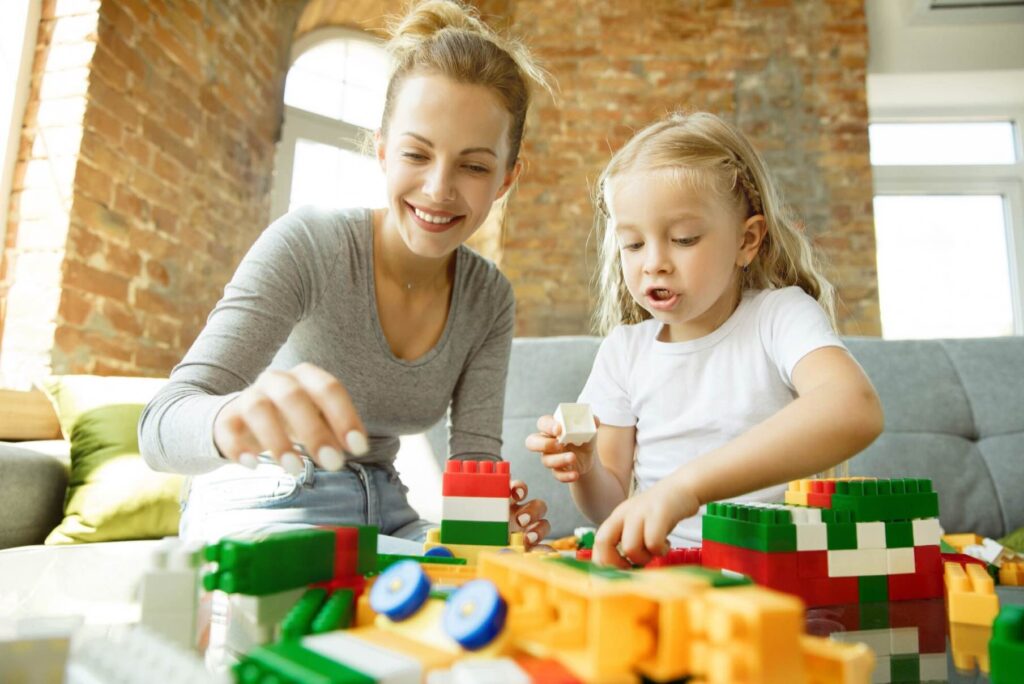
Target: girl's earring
point(746, 268)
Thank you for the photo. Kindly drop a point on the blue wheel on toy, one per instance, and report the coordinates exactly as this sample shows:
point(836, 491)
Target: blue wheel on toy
point(400, 590)
point(475, 614)
point(440, 552)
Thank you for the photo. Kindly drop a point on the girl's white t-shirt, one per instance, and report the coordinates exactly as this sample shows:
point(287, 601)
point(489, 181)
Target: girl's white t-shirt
point(689, 398)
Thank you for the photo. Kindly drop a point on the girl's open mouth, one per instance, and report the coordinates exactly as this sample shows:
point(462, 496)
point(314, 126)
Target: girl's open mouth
point(661, 298)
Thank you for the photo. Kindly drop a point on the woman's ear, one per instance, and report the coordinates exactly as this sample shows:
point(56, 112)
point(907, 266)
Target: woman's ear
point(511, 176)
point(378, 147)
point(751, 236)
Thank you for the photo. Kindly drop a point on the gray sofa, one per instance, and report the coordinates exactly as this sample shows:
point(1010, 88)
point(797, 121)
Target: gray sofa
point(954, 414)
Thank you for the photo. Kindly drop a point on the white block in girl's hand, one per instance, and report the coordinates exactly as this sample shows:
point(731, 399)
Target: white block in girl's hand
point(577, 421)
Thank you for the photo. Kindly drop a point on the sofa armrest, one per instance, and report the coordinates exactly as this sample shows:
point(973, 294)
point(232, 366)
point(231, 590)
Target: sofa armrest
point(27, 415)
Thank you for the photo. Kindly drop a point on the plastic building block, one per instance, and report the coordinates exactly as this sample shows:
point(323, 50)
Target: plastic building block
point(299, 620)
point(475, 614)
point(684, 556)
point(796, 493)
point(899, 534)
point(831, 662)
point(136, 656)
point(400, 590)
point(476, 508)
point(489, 671)
point(290, 661)
point(870, 535)
point(900, 561)
point(471, 532)
point(927, 532)
point(336, 613)
point(1012, 573)
point(547, 670)
point(821, 492)
point(1006, 648)
point(751, 527)
point(577, 422)
point(970, 595)
point(471, 552)
point(885, 500)
point(285, 560)
point(476, 478)
point(872, 588)
point(169, 592)
point(857, 562)
point(842, 530)
point(969, 646)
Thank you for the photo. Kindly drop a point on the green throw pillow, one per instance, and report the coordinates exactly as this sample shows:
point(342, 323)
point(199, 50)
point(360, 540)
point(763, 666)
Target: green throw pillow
point(112, 493)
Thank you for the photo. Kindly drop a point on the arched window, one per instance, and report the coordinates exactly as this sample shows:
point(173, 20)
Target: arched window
point(334, 96)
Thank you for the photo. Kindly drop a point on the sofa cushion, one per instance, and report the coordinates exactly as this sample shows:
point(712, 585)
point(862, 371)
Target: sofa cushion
point(112, 494)
point(32, 486)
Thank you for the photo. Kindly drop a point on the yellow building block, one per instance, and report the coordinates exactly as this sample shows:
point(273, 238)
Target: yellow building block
point(428, 656)
point(970, 595)
point(752, 635)
point(969, 644)
point(1012, 573)
point(827, 661)
point(471, 552)
point(960, 541)
point(796, 494)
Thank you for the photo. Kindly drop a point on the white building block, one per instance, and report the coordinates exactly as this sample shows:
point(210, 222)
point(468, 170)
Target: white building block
point(497, 671)
point(904, 641)
point(475, 508)
point(901, 561)
point(871, 535)
point(933, 667)
point(878, 639)
point(857, 562)
point(927, 532)
point(811, 536)
point(882, 674)
point(383, 665)
point(577, 422)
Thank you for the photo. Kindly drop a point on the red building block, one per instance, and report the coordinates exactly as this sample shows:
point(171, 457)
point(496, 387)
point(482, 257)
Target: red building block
point(476, 478)
point(677, 557)
point(928, 616)
point(821, 493)
point(830, 591)
point(812, 564)
point(346, 551)
point(915, 585)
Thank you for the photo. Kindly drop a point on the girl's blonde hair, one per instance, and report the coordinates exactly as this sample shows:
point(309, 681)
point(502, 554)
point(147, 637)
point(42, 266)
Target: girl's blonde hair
point(711, 155)
point(447, 37)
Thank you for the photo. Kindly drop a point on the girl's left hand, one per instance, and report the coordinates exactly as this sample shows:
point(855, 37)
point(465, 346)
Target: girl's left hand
point(640, 525)
point(528, 516)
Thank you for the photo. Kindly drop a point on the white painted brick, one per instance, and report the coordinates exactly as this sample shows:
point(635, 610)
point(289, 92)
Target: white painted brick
point(901, 561)
point(475, 508)
point(933, 667)
point(927, 532)
point(903, 640)
point(857, 562)
point(870, 535)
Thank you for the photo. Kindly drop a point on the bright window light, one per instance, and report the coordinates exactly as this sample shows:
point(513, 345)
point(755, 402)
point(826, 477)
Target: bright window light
point(929, 144)
point(340, 79)
point(329, 176)
point(943, 268)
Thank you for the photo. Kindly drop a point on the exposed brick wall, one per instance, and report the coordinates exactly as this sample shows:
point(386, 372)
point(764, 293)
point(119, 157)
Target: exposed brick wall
point(147, 151)
point(179, 108)
point(790, 73)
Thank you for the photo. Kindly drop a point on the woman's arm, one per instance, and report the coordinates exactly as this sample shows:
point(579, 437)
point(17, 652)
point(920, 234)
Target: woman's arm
point(836, 414)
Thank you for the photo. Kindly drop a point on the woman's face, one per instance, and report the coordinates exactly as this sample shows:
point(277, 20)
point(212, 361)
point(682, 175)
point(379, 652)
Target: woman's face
point(445, 158)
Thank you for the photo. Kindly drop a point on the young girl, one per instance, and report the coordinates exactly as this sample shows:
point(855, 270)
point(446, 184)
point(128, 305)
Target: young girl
point(342, 330)
point(721, 374)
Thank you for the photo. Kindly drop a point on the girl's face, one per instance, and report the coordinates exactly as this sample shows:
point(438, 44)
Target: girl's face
point(445, 159)
point(681, 250)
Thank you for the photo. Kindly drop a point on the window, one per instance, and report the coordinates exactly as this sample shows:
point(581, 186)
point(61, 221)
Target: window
point(949, 228)
point(334, 98)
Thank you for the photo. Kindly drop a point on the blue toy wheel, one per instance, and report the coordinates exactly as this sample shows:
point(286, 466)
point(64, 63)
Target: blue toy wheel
point(475, 614)
point(440, 552)
point(400, 590)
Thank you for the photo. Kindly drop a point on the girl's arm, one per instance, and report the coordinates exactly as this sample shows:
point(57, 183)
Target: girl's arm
point(606, 484)
point(835, 415)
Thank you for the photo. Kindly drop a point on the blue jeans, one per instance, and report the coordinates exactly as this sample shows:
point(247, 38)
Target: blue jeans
point(234, 500)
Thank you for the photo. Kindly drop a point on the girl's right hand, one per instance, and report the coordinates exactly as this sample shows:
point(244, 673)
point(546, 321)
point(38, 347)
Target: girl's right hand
point(305, 405)
point(566, 461)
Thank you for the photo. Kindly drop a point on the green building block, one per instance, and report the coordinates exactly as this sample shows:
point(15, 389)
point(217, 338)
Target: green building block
point(386, 560)
point(1006, 647)
point(366, 561)
point(840, 529)
point(587, 540)
point(716, 578)
point(872, 588)
point(284, 560)
point(299, 620)
point(287, 662)
point(899, 534)
point(904, 667)
point(886, 500)
point(474, 532)
point(750, 527)
point(337, 613)
point(873, 615)
point(591, 568)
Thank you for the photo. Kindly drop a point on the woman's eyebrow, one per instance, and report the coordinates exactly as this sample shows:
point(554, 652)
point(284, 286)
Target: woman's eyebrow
point(468, 150)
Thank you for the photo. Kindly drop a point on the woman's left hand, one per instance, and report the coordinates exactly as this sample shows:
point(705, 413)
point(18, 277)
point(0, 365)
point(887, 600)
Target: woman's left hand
point(527, 516)
point(640, 525)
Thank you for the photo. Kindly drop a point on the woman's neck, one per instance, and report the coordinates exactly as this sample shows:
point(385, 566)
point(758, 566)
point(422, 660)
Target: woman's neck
point(402, 268)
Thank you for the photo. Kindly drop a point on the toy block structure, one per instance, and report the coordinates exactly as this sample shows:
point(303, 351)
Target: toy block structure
point(1012, 573)
point(908, 638)
point(970, 595)
point(169, 592)
point(1006, 648)
point(475, 507)
point(577, 423)
point(854, 540)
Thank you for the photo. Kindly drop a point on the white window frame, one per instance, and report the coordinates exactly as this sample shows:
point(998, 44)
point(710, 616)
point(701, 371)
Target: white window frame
point(1006, 180)
point(299, 123)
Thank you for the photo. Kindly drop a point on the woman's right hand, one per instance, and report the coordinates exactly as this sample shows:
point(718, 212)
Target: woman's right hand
point(305, 405)
point(567, 462)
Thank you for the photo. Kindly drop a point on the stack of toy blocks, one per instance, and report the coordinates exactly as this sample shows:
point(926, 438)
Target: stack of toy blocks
point(841, 541)
point(474, 510)
point(308, 580)
point(972, 606)
point(907, 637)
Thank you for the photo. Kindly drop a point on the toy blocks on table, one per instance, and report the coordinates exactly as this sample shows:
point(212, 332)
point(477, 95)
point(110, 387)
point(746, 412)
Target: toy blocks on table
point(850, 529)
point(472, 552)
point(970, 595)
point(1012, 573)
point(475, 507)
point(577, 423)
point(1006, 648)
point(476, 478)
